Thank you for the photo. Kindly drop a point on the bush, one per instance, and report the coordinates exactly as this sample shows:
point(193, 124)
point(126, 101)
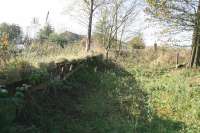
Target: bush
point(137, 42)
point(58, 39)
point(45, 32)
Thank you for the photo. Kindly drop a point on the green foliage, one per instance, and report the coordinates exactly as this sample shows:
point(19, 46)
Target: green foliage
point(97, 98)
point(4, 92)
point(174, 95)
point(101, 34)
point(137, 42)
point(8, 107)
point(14, 32)
point(58, 39)
point(45, 32)
point(48, 34)
point(103, 97)
point(179, 15)
point(38, 76)
point(71, 37)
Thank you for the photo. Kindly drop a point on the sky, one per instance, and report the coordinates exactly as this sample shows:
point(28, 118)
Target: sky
point(22, 12)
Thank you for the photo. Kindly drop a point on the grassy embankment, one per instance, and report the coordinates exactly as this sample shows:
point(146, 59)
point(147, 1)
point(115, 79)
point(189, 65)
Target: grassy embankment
point(136, 97)
point(173, 93)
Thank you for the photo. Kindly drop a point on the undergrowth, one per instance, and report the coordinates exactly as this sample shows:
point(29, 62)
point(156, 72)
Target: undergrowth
point(102, 97)
point(104, 100)
point(173, 94)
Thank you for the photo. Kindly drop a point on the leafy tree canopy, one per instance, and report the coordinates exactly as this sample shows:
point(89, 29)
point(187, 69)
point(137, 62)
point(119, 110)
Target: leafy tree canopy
point(177, 13)
point(14, 32)
point(45, 32)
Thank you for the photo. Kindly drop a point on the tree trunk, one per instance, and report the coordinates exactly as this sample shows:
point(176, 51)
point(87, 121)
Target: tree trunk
point(107, 52)
point(197, 55)
point(194, 43)
point(195, 58)
point(88, 42)
point(116, 22)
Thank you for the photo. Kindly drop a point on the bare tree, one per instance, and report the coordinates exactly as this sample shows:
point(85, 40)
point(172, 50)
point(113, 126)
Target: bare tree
point(181, 15)
point(92, 6)
point(88, 8)
point(90, 3)
point(114, 21)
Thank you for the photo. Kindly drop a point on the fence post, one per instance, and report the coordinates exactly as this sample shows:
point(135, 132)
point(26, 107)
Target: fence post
point(177, 60)
point(155, 47)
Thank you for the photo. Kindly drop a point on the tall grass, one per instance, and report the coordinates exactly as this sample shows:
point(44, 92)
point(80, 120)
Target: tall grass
point(20, 61)
point(164, 57)
point(45, 53)
point(141, 96)
point(173, 94)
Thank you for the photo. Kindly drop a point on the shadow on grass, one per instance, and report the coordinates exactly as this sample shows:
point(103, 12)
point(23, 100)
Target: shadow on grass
point(100, 97)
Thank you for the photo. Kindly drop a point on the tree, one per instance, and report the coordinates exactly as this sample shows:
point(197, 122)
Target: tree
point(195, 57)
point(137, 42)
point(183, 15)
point(45, 32)
point(58, 39)
point(101, 29)
point(4, 41)
point(86, 13)
point(114, 19)
point(91, 6)
point(90, 3)
point(14, 32)
point(4, 28)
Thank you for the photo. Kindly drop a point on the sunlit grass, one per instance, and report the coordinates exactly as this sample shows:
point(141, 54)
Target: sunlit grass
point(153, 97)
point(45, 53)
point(173, 94)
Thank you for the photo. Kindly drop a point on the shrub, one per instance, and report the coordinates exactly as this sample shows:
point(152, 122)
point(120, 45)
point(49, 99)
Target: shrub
point(45, 32)
point(137, 42)
point(58, 39)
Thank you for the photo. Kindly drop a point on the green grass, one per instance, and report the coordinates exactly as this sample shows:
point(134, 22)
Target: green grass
point(109, 100)
point(105, 101)
point(173, 94)
point(113, 99)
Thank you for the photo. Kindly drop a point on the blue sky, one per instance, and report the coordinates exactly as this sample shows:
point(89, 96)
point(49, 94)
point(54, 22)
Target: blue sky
point(22, 12)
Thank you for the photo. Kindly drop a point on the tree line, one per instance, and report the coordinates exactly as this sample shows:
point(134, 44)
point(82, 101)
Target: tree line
point(114, 16)
point(17, 36)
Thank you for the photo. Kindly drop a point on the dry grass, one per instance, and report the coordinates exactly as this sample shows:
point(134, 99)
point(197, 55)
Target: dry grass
point(46, 53)
point(163, 57)
point(33, 56)
point(37, 54)
point(169, 56)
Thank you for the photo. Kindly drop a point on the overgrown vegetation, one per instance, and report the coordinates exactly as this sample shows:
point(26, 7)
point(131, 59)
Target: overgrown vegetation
point(101, 97)
point(116, 83)
point(137, 42)
point(173, 94)
point(105, 97)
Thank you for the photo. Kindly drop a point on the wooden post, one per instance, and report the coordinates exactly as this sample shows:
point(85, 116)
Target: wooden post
point(155, 47)
point(177, 60)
